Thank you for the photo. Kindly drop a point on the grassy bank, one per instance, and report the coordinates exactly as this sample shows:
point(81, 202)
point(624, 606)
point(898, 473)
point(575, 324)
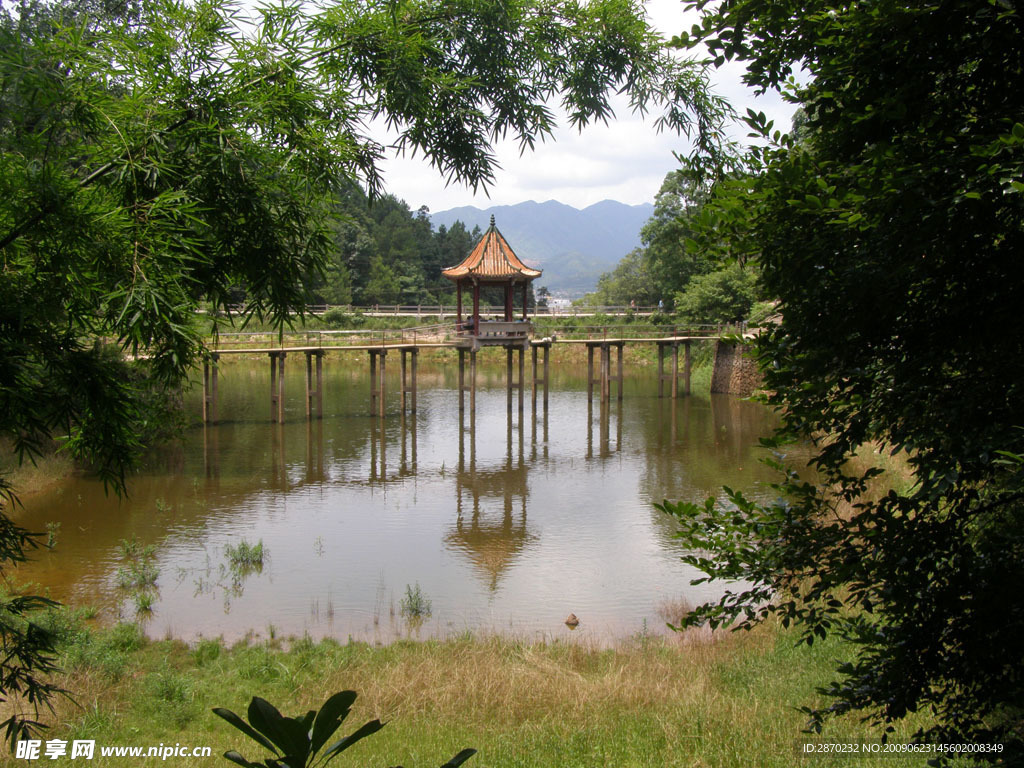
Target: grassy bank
point(30, 475)
point(648, 702)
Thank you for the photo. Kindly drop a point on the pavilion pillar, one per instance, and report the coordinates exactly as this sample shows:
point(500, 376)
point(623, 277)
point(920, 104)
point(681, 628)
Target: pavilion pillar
point(476, 308)
point(458, 305)
point(525, 292)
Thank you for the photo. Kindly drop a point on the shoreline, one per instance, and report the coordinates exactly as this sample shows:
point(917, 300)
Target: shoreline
point(730, 702)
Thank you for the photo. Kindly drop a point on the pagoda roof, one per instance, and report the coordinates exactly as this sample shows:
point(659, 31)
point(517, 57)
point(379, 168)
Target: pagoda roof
point(492, 259)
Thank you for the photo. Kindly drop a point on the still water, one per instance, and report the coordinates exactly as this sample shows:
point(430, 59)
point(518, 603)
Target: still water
point(505, 525)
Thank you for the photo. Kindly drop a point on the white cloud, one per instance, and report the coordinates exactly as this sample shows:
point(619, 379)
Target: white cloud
point(625, 160)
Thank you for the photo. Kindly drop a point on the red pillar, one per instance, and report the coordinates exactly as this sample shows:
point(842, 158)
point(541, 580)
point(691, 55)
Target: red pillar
point(458, 308)
point(476, 308)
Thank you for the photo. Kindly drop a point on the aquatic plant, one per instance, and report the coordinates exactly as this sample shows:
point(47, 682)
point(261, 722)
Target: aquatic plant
point(245, 557)
point(140, 574)
point(144, 602)
point(133, 549)
point(52, 529)
point(415, 605)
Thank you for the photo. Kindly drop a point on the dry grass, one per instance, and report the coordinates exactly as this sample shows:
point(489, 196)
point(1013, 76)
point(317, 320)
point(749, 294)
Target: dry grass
point(673, 610)
point(648, 702)
point(28, 477)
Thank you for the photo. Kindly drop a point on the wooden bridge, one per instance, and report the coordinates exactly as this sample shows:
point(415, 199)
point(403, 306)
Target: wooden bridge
point(514, 337)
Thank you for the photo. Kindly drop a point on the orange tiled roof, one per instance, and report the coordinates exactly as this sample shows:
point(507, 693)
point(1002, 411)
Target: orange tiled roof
point(491, 259)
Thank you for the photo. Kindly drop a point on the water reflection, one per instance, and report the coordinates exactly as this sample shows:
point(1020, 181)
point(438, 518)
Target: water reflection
point(491, 521)
point(605, 410)
point(507, 522)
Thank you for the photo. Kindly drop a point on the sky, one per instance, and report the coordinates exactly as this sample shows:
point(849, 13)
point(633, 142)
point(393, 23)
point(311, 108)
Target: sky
point(625, 160)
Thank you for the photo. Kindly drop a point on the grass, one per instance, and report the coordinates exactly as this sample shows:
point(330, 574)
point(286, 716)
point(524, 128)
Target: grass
point(648, 702)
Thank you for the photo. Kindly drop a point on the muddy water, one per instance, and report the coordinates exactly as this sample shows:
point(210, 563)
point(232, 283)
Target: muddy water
point(505, 525)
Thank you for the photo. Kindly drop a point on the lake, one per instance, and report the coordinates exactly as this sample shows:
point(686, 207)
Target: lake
point(502, 526)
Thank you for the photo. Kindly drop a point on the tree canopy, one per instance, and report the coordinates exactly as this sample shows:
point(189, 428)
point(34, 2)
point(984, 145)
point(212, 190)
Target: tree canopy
point(891, 231)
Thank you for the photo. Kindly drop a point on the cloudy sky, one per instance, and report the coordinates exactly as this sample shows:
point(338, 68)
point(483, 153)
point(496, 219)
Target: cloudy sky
point(625, 160)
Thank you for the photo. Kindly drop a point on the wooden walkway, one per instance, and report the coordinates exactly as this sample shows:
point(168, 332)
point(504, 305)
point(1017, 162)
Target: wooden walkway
point(600, 373)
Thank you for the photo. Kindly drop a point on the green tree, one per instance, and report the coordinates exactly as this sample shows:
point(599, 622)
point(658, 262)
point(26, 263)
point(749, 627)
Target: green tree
point(629, 282)
point(383, 286)
point(152, 160)
point(723, 296)
point(891, 233)
point(671, 256)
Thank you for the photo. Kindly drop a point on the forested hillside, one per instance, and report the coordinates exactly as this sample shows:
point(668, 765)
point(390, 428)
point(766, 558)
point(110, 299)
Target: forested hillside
point(385, 253)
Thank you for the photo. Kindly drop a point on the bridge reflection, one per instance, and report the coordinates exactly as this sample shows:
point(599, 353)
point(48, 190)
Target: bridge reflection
point(491, 527)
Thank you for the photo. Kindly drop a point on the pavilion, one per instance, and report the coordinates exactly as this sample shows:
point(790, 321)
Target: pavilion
point(492, 263)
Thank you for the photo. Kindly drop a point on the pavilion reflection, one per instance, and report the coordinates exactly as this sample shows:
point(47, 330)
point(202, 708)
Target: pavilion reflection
point(491, 526)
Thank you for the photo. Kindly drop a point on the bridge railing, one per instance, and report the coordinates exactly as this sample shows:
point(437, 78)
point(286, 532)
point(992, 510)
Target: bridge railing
point(641, 332)
point(446, 311)
point(441, 333)
point(424, 334)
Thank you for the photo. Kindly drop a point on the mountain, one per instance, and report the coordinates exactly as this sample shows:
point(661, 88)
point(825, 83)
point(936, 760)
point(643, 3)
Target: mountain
point(573, 247)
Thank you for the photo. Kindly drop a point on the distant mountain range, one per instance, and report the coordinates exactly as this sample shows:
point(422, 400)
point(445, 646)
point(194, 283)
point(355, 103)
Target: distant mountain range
point(573, 247)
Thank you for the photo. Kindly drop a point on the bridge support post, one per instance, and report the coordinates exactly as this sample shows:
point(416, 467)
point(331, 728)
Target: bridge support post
point(547, 355)
point(543, 380)
point(409, 385)
point(508, 377)
point(604, 376)
point(687, 362)
point(510, 381)
point(314, 386)
point(619, 376)
point(673, 375)
point(210, 389)
point(675, 370)
point(606, 379)
point(377, 380)
point(590, 373)
point(277, 386)
point(462, 380)
point(661, 370)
